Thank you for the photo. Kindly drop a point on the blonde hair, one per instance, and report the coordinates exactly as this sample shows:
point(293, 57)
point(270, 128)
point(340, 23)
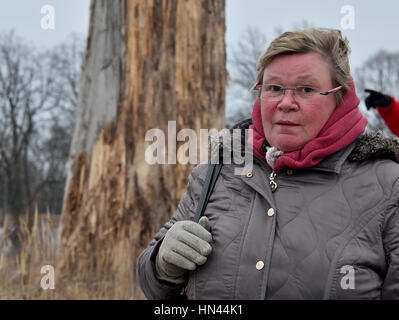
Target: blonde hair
point(329, 43)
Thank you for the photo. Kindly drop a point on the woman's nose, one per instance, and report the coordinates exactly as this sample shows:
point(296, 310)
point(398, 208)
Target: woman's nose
point(288, 102)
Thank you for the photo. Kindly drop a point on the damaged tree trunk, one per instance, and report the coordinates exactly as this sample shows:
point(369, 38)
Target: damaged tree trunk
point(146, 63)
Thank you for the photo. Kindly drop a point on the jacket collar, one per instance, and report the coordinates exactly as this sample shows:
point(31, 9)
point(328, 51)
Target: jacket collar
point(368, 146)
point(333, 163)
point(375, 146)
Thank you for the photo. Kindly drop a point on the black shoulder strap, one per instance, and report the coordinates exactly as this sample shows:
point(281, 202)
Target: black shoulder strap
point(210, 180)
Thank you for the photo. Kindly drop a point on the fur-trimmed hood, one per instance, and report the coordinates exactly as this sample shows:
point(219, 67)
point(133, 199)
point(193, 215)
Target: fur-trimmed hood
point(375, 146)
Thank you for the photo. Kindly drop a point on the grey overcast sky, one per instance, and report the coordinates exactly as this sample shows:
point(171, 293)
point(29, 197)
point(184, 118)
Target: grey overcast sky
point(25, 18)
point(376, 23)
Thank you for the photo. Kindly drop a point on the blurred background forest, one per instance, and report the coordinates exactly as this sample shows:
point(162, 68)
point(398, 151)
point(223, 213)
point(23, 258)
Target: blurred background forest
point(39, 94)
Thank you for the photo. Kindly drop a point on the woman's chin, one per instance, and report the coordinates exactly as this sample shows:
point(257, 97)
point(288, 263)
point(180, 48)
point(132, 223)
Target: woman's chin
point(288, 144)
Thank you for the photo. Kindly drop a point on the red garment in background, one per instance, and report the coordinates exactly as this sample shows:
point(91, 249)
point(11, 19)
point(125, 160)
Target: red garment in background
point(390, 114)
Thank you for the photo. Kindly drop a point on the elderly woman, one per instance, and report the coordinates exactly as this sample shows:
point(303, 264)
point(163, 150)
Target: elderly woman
point(318, 215)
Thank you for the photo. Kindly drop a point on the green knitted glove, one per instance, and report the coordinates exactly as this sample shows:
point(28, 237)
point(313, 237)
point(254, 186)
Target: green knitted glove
point(186, 245)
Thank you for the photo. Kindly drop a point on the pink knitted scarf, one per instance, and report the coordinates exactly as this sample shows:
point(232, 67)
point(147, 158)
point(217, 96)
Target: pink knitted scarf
point(343, 127)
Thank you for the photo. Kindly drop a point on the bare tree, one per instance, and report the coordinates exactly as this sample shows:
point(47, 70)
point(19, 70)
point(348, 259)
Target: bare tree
point(146, 63)
point(24, 95)
point(241, 64)
point(381, 73)
point(65, 62)
point(35, 107)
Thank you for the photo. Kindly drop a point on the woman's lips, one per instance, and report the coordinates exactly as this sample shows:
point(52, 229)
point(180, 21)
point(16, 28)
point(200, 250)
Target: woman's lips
point(286, 123)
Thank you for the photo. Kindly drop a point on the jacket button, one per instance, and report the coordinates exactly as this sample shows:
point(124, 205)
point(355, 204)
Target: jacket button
point(260, 265)
point(290, 172)
point(249, 175)
point(270, 212)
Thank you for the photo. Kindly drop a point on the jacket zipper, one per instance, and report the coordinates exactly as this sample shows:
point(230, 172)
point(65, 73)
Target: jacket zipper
point(272, 176)
point(273, 184)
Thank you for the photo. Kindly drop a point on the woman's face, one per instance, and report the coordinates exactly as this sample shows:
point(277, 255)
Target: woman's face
point(292, 121)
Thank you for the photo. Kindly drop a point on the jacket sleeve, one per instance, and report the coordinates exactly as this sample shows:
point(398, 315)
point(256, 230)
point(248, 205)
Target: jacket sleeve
point(390, 114)
point(145, 268)
point(390, 288)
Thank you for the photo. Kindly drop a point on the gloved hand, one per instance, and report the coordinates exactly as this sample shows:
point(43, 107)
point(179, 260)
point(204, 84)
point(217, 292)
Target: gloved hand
point(377, 99)
point(185, 246)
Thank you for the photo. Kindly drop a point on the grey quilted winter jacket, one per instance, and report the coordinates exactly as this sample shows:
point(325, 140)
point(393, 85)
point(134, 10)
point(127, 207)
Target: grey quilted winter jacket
point(327, 232)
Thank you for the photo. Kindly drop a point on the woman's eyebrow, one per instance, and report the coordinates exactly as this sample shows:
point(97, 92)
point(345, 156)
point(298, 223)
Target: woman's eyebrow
point(300, 78)
point(272, 78)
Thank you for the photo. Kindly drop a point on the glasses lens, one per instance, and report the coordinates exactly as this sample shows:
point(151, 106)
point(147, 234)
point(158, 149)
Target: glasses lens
point(305, 92)
point(273, 90)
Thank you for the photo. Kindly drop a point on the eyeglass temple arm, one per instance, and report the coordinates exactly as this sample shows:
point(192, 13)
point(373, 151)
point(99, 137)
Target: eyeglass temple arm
point(331, 91)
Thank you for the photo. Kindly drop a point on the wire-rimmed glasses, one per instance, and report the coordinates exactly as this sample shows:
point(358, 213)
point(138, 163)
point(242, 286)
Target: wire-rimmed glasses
point(275, 92)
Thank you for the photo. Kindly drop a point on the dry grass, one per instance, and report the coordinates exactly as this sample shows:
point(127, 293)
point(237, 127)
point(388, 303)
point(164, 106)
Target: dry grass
point(20, 272)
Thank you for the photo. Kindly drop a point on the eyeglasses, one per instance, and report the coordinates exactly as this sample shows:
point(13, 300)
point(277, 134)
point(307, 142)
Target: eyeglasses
point(275, 92)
